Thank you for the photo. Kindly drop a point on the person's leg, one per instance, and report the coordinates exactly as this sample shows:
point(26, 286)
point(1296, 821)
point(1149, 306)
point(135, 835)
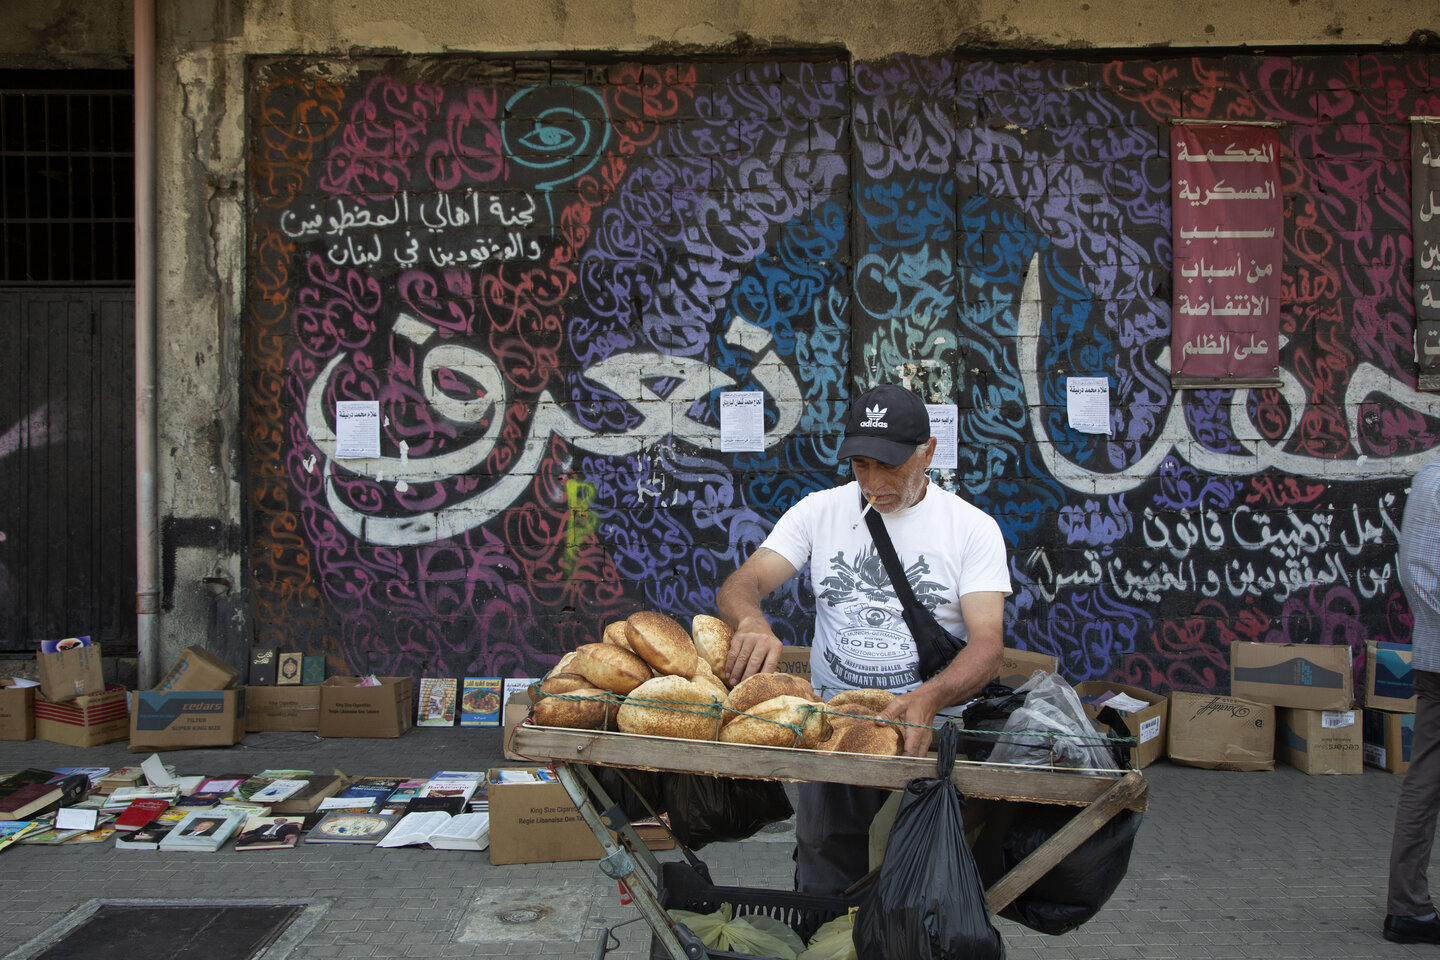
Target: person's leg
point(832, 835)
point(1414, 835)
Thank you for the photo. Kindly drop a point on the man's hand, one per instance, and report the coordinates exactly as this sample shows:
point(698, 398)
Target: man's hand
point(754, 649)
point(917, 710)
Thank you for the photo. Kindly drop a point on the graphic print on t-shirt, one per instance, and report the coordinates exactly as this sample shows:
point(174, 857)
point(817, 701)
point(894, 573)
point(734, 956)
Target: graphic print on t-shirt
point(874, 648)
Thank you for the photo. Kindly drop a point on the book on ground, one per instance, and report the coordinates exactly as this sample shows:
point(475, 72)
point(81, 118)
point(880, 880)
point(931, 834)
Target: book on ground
point(437, 702)
point(251, 786)
point(277, 790)
point(341, 826)
point(25, 778)
point(220, 786)
point(480, 701)
point(202, 830)
point(147, 837)
point(12, 831)
point(40, 797)
point(121, 796)
point(453, 783)
point(120, 777)
point(318, 787)
point(268, 833)
point(465, 831)
point(403, 794)
point(94, 773)
point(141, 812)
point(353, 804)
point(378, 788)
point(450, 805)
point(50, 835)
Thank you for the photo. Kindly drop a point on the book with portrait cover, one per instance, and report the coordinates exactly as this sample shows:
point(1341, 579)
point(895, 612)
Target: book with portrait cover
point(437, 702)
point(269, 833)
point(203, 830)
point(480, 701)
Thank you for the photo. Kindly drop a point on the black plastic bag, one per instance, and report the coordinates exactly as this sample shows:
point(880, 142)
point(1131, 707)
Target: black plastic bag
point(640, 794)
point(984, 719)
point(1074, 889)
point(721, 809)
point(928, 902)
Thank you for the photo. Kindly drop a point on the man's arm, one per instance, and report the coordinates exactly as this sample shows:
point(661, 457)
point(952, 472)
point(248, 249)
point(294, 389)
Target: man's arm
point(754, 648)
point(962, 678)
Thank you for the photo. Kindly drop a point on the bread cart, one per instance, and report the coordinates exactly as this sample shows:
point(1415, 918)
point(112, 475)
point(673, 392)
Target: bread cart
point(656, 888)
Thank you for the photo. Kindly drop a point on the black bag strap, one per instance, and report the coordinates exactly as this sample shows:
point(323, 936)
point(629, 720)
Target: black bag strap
point(924, 628)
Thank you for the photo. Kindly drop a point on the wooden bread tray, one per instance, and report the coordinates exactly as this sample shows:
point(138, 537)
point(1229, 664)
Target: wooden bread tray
point(988, 780)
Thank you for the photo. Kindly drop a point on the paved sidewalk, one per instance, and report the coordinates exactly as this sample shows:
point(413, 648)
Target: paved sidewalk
point(1226, 865)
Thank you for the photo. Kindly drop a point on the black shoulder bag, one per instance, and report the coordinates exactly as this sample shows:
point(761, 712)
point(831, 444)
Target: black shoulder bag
point(935, 645)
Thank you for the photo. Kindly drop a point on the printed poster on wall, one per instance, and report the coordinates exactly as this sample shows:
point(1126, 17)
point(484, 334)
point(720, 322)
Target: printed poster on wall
point(1425, 202)
point(1229, 251)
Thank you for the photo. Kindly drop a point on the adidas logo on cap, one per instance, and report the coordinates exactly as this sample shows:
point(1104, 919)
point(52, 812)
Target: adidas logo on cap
point(874, 418)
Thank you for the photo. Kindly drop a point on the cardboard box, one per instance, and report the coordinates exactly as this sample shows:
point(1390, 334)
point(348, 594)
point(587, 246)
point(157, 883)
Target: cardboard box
point(537, 823)
point(1018, 665)
point(182, 719)
point(71, 673)
point(1221, 733)
point(1308, 676)
point(1320, 741)
point(1387, 739)
point(86, 721)
point(517, 708)
point(350, 710)
point(200, 670)
point(1389, 677)
point(794, 659)
point(17, 712)
point(1147, 724)
point(282, 708)
point(262, 666)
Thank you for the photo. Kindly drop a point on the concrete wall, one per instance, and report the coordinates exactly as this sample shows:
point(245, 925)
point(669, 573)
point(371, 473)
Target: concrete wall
point(649, 516)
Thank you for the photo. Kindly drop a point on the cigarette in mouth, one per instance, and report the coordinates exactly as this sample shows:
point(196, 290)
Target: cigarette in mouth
point(870, 503)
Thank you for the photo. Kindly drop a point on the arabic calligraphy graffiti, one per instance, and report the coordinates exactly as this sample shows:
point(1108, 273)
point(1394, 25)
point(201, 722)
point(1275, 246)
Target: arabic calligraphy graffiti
point(547, 288)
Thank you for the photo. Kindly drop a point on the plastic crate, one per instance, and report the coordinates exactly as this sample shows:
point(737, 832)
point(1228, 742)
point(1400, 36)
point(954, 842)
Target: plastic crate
point(679, 887)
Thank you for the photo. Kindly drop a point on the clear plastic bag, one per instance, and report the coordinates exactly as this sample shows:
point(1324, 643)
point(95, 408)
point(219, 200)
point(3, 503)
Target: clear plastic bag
point(1051, 729)
point(754, 934)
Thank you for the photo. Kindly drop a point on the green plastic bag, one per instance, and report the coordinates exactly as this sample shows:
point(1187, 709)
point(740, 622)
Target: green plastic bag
point(753, 933)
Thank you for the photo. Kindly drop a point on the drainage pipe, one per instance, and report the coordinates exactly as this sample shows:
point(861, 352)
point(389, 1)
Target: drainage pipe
point(147, 595)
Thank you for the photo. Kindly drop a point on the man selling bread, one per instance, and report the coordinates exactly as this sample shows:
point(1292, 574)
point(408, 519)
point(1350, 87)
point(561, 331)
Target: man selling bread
point(954, 558)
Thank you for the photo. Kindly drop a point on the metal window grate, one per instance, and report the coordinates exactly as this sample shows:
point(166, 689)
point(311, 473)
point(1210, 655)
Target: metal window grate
point(67, 181)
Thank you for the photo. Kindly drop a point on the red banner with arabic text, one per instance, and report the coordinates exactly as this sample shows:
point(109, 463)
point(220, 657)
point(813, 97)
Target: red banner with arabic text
point(1229, 251)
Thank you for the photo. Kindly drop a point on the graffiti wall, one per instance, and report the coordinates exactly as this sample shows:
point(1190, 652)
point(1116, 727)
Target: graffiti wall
point(545, 274)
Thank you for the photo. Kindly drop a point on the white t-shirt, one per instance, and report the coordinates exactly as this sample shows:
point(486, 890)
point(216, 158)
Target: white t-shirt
point(948, 548)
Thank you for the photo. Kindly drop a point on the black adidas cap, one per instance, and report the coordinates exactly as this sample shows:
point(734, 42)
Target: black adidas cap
point(885, 423)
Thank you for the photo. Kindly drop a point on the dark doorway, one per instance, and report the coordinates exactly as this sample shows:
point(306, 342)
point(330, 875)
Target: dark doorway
point(67, 437)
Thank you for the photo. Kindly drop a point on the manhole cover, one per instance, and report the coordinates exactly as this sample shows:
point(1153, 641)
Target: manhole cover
point(161, 932)
point(554, 913)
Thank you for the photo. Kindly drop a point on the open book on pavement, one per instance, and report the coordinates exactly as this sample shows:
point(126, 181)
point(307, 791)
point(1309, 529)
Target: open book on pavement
point(463, 831)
